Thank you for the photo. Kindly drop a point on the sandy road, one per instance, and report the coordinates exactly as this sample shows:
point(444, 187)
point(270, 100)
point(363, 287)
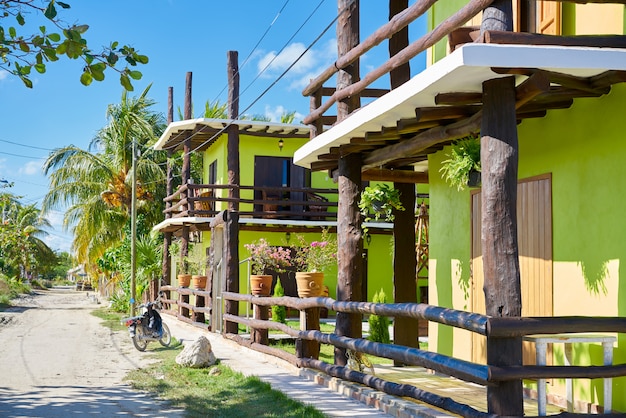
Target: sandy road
point(56, 360)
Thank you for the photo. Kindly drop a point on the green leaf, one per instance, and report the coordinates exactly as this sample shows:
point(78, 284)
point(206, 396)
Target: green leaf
point(51, 11)
point(12, 32)
point(38, 41)
point(42, 29)
point(125, 82)
point(135, 75)
point(112, 59)
point(86, 78)
point(39, 58)
point(81, 28)
point(142, 59)
point(54, 37)
point(100, 66)
point(62, 48)
point(24, 47)
point(63, 5)
point(114, 45)
point(40, 68)
point(27, 82)
point(20, 19)
point(97, 74)
point(50, 53)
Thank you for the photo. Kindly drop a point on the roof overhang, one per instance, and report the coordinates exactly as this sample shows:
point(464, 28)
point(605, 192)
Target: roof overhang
point(204, 131)
point(464, 70)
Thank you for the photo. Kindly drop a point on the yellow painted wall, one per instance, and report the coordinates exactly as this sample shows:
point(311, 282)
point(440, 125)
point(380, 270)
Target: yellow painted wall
point(596, 19)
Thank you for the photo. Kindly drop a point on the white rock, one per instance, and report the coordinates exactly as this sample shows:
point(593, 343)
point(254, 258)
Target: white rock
point(197, 354)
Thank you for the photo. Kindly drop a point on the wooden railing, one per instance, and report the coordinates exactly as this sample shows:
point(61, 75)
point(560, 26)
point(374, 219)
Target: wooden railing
point(502, 330)
point(207, 200)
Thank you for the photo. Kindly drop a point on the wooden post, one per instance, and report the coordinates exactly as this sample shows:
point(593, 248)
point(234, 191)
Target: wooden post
point(309, 320)
point(499, 154)
point(198, 303)
point(260, 336)
point(186, 168)
point(405, 330)
point(498, 16)
point(347, 38)
point(183, 311)
point(232, 223)
point(166, 269)
point(350, 248)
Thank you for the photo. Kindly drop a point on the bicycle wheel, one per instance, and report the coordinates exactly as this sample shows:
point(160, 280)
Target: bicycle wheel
point(139, 343)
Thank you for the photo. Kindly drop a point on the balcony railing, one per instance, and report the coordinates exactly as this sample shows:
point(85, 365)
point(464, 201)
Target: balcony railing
point(285, 203)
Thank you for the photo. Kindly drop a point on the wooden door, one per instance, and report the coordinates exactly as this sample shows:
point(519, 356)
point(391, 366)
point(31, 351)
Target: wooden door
point(549, 17)
point(534, 234)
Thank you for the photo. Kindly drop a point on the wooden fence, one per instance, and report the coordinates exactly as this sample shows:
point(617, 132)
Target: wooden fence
point(502, 330)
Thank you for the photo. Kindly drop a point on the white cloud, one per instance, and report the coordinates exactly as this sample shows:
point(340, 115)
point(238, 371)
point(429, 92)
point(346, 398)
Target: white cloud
point(308, 63)
point(31, 168)
point(276, 112)
point(3, 74)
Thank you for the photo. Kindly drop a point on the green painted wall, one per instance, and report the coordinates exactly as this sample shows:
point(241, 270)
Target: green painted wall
point(584, 150)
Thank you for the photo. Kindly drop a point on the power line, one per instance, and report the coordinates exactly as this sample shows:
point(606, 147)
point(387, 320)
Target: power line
point(25, 146)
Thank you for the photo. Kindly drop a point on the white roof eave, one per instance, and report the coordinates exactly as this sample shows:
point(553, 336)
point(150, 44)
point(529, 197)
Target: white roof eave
point(464, 70)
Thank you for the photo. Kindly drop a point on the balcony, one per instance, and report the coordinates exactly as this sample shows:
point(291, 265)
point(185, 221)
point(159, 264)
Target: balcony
point(196, 204)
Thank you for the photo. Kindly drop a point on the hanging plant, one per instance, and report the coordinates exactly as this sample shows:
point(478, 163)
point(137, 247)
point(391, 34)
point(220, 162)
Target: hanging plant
point(463, 163)
point(378, 202)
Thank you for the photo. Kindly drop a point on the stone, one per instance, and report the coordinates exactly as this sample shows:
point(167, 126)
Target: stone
point(197, 355)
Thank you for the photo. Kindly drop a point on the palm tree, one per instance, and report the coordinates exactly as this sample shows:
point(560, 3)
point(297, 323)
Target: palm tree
point(95, 186)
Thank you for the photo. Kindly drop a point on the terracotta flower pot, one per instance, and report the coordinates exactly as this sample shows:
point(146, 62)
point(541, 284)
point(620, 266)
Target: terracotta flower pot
point(309, 284)
point(184, 280)
point(260, 284)
point(198, 281)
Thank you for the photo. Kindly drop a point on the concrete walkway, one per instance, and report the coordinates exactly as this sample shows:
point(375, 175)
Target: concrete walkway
point(337, 399)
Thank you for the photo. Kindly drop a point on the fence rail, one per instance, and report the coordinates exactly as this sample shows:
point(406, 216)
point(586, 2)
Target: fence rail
point(486, 375)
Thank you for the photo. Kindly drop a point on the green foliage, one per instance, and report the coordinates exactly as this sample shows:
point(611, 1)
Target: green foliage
point(21, 52)
point(96, 184)
point(379, 325)
point(317, 255)
point(464, 157)
point(217, 391)
point(279, 313)
point(10, 288)
point(196, 260)
point(378, 203)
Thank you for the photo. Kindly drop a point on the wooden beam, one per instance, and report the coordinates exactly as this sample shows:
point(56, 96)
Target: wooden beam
point(458, 99)
point(397, 176)
point(565, 80)
point(422, 141)
point(426, 114)
point(525, 38)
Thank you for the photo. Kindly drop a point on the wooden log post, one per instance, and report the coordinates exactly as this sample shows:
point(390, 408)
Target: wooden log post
point(349, 233)
point(183, 300)
point(199, 302)
point(350, 248)
point(186, 171)
point(309, 320)
point(499, 154)
point(405, 330)
point(166, 266)
point(260, 336)
point(232, 222)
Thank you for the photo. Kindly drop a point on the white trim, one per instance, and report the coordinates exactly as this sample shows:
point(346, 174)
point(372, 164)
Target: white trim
point(464, 70)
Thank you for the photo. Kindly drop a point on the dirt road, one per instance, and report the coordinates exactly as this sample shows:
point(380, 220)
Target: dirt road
point(56, 360)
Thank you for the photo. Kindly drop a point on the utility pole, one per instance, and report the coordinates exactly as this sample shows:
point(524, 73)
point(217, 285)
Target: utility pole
point(133, 229)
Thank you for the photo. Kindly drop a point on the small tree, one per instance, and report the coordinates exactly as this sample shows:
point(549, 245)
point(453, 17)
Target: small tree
point(279, 313)
point(379, 325)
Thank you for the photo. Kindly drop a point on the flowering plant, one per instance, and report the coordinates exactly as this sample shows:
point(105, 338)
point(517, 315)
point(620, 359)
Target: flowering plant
point(265, 256)
point(316, 256)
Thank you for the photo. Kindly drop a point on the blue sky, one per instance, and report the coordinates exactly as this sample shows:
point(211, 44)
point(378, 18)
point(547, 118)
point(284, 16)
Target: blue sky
point(178, 36)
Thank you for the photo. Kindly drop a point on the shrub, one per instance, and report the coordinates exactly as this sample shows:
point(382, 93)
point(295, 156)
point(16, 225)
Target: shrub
point(379, 325)
point(279, 313)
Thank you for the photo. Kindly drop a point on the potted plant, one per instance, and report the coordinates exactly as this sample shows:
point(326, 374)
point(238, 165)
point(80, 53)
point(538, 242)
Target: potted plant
point(462, 168)
point(378, 202)
point(264, 257)
point(196, 261)
point(183, 277)
point(311, 260)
